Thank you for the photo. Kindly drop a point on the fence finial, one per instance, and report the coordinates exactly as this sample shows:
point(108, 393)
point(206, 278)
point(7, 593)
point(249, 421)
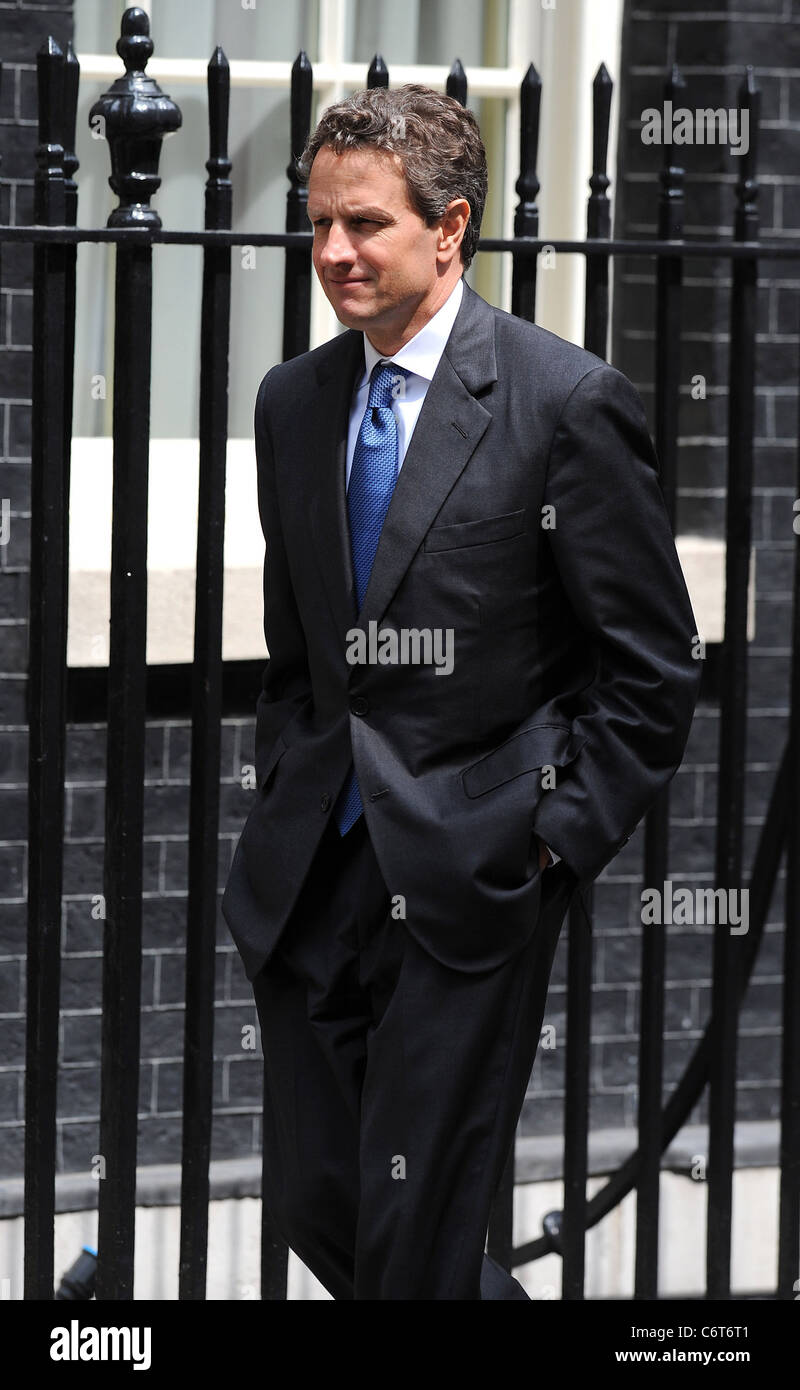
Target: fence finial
point(72, 73)
point(378, 73)
point(300, 121)
point(219, 190)
point(602, 87)
point(526, 217)
point(134, 115)
point(457, 82)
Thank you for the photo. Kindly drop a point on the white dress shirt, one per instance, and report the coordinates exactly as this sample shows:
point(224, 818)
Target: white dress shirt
point(420, 356)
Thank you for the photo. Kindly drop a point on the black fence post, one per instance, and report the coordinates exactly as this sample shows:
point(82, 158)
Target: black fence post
point(598, 219)
point(201, 917)
point(579, 951)
point(728, 949)
point(297, 271)
point(789, 1160)
point(669, 273)
point(136, 116)
point(72, 72)
point(526, 217)
point(46, 683)
point(573, 1223)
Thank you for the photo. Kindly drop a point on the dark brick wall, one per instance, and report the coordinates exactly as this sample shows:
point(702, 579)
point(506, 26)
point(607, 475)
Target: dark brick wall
point(712, 45)
point(237, 1070)
point(23, 29)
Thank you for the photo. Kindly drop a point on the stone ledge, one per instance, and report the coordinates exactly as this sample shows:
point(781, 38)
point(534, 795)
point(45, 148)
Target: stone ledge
point(537, 1160)
point(541, 1159)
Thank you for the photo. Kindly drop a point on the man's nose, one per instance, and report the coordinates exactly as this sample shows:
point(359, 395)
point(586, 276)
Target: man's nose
point(337, 246)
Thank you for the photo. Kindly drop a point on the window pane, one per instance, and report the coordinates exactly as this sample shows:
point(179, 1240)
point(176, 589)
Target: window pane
point(273, 31)
point(430, 31)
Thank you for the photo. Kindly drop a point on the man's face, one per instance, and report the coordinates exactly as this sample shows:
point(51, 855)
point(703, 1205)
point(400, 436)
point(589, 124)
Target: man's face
point(375, 257)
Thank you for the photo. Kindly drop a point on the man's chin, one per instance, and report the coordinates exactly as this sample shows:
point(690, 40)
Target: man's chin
point(350, 314)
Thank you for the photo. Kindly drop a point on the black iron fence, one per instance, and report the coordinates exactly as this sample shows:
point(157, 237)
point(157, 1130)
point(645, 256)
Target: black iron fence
point(136, 116)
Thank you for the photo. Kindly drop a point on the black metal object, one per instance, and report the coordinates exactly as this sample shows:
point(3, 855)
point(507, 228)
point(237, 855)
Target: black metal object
point(201, 920)
point(46, 684)
point(456, 85)
point(526, 217)
point(789, 1158)
point(297, 272)
point(572, 1228)
point(72, 72)
point(572, 1221)
point(667, 378)
point(709, 248)
point(733, 716)
point(377, 73)
point(598, 219)
point(134, 115)
point(137, 115)
point(77, 1285)
point(573, 1225)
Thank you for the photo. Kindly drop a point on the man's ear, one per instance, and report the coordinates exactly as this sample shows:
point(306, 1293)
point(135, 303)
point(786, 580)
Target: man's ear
point(452, 226)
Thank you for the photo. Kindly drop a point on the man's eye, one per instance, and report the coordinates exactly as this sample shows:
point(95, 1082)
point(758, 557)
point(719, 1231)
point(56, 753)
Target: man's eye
point(355, 221)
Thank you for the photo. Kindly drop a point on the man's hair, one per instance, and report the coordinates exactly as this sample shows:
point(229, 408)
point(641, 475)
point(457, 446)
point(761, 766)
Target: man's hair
point(437, 140)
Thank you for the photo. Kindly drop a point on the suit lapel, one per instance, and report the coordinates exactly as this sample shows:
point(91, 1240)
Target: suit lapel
point(451, 423)
point(330, 525)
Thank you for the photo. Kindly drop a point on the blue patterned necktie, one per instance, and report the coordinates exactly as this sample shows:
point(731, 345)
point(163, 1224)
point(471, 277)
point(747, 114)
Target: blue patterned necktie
point(372, 478)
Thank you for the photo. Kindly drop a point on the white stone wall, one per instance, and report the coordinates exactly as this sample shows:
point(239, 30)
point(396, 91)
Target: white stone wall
point(234, 1235)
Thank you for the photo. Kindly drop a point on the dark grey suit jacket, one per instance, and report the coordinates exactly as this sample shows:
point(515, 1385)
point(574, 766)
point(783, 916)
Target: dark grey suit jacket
point(528, 519)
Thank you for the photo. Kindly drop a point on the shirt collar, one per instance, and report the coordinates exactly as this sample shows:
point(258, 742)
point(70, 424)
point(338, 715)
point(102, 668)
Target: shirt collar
point(422, 353)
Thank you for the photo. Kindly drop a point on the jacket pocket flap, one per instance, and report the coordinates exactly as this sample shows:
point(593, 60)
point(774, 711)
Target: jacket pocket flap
point(479, 532)
point(538, 746)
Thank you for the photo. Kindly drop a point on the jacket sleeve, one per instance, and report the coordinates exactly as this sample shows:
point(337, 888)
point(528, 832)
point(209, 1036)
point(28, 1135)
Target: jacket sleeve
point(285, 682)
point(615, 555)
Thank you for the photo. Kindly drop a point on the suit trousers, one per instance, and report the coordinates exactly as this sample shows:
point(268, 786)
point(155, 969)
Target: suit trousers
point(393, 1085)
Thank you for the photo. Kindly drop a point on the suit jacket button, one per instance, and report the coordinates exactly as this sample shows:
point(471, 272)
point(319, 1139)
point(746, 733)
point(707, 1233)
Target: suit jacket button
point(358, 705)
point(325, 802)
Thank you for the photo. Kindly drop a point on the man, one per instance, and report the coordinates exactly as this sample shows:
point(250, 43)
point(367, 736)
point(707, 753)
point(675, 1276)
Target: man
point(480, 675)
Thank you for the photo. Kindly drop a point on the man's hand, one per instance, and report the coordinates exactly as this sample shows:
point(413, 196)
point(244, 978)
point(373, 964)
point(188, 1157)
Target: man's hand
point(544, 853)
